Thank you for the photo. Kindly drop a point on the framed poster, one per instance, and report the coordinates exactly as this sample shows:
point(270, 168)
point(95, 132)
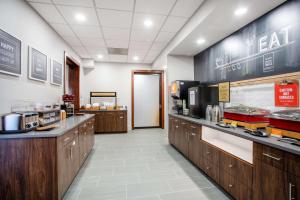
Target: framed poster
point(287, 94)
point(37, 65)
point(10, 54)
point(56, 73)
point(224, 92)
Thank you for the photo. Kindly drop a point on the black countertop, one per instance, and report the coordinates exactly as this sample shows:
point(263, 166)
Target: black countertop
point(270, 141)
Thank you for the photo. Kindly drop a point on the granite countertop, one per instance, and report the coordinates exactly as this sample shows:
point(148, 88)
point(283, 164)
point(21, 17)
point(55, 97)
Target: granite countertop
point(63, 127)
point(270, 141)
point(101, 110)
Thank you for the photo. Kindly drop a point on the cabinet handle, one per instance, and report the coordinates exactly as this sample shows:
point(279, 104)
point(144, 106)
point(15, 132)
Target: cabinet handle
point(290, 191)
point(272, 157)
point(66, 139)
point(230, 185)
point(177, 126)
point(183, 123)
point(230, 166)
point(74, 143)
point(71, 152)
point(193, 127)
point(207, 152)
point(193, 134)
point(121, 117)
point(207, 168)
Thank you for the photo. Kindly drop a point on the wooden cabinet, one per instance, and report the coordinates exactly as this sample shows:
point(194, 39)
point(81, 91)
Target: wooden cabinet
point(276, 174)
point(110, 121)
point(194, 143)
point(183, 136)
point(171, 132)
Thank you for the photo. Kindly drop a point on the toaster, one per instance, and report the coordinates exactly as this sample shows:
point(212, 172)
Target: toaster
point(19, 122)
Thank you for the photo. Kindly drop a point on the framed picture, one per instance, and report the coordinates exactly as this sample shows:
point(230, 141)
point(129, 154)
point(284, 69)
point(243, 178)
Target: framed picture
point(56, 73)
point(37, 65)
point(10, 54)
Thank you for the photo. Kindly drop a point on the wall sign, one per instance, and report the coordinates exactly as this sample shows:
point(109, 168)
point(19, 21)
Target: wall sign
point(224, 92)
point(287, 95)
point(268, 46)
point(56, 73)
point(37, 65)
point(10, 54)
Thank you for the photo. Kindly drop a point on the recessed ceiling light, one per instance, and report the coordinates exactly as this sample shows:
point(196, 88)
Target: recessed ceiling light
point(136, 58)
point(240, 11)
point(201, 41)
point(100, 56)
point(148, 23)
point(80, 17)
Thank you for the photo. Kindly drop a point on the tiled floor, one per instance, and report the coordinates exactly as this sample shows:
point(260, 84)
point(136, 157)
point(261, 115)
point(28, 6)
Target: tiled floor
point(140, 165)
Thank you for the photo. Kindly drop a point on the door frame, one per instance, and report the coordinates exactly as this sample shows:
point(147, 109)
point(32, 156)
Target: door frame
point(69, 60)
point(161, 95)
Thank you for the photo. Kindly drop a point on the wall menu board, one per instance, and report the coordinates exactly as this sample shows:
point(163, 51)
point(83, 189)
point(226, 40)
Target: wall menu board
point(56, 73)
point(268, 46)
point(224, 92)
point(10, 54)
point(37, 65)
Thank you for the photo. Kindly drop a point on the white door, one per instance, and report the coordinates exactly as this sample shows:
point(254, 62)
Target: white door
point(146, 100)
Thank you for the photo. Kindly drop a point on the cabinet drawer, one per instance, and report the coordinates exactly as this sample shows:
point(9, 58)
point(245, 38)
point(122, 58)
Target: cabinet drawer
point(236, 168)
point(195, 129)
point(269, 155)
point(67, 137)
point(210, 153)
point(211, 169)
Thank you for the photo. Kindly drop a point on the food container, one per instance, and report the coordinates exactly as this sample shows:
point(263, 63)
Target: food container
point(246, 114)
point(286, 119)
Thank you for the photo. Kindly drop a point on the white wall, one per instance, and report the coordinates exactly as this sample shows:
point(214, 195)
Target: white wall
point(111, 77)
point(20, 20)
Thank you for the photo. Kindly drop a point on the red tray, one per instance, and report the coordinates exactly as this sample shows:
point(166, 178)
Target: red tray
point(246, 118)
point(285, 124)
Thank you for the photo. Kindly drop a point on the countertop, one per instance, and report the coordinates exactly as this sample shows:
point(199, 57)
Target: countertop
point(63, 127)
point(270, 141)
point(101, 110)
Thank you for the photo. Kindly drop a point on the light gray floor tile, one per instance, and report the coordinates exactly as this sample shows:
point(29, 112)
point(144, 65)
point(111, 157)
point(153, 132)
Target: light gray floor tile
point(140, 165)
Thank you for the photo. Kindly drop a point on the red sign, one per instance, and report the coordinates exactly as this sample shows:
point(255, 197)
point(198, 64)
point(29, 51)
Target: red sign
point(287, 95)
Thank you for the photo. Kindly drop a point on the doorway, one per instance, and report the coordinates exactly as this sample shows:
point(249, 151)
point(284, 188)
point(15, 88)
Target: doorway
point(147, 99)
point(72, 80)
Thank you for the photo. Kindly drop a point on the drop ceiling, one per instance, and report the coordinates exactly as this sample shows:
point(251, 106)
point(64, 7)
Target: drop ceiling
point(117, 24)
point(220, 22)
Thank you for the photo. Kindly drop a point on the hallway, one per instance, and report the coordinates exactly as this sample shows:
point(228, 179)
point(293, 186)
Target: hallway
point(140, 165)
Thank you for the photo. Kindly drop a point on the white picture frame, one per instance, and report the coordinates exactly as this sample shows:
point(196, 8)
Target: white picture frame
point(56, 73)
point(37, 65)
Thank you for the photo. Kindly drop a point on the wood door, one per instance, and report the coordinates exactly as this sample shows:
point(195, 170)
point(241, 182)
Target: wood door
point(194, 143)
point(110, 124)
point(270, 182)
point(99, 123)
point(121, 121)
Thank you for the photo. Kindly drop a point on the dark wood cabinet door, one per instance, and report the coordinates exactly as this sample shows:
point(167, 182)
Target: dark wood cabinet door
point(177, 133)
point(110, 124)
point(210, 153)
point(99, 123)
point(184, 137)
point(293, 187)
point(270, 182)
point(171, 133)
point(120, 121)
point(211, 169)
point(193, 146)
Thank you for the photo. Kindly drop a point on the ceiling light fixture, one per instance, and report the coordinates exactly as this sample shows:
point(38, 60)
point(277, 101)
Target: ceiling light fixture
point(201, 41)
point(240, 11)
point(136, 58)
point(100, 56)
point(80, 17)
point(148, 23)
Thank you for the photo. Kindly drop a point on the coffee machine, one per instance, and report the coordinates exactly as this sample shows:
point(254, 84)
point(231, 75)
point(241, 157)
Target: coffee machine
point(200, 97)
point(179, 94)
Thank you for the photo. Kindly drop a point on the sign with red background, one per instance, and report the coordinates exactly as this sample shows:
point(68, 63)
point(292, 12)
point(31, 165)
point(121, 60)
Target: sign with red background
point(287, 95)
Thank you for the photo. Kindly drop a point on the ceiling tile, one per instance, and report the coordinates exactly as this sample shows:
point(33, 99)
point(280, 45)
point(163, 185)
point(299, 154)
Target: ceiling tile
point(116, 33)
point(81, 51)
point(164, 37)
point(87, 31)
point(84, 3)
point(63, 29)
point(72, 41)
point(153, 54)
point(48, 12)
point(93, 42)
point(116, 4)
point(143, 35)
point(118, 58)
point(139, 45)
point(40, 1)
point(117, 43)
point(113, 18)
point(69, 13)
point(154, 6)
point(148, 59)
point(138, 21)
point(173, 24)
point(96, 50)
point(158, 46)
point(185, 8)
